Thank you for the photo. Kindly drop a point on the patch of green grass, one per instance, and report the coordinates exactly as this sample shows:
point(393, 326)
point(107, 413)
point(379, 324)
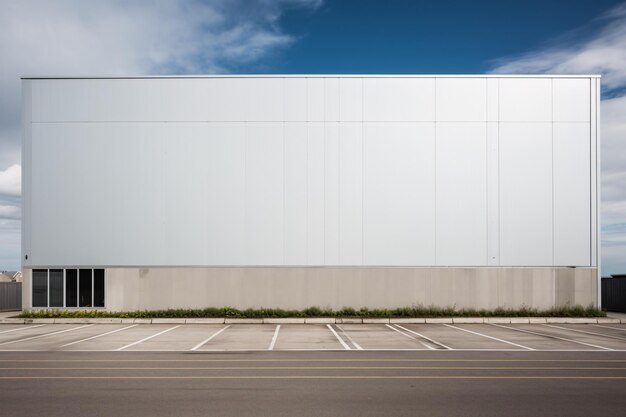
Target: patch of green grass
point(418, 311)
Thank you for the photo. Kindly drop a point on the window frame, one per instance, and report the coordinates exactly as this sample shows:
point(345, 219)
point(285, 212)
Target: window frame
point(65, 307)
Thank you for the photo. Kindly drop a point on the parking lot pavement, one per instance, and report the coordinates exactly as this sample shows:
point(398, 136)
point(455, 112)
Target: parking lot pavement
point(284, 337)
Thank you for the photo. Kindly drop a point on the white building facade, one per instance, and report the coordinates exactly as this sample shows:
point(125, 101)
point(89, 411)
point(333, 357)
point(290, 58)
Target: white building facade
point(298, 191)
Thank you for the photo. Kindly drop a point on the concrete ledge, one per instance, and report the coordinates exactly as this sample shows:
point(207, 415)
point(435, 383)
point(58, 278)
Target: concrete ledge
point(439, 320)
point(127, 321)
point(12, 321)
point(243, 321)
point(407, 320)
point(498, 320)
point(72, 321)
point(350, 320)
point(320, 320)
point(39, 321)
point(142, 321)
point(609, 320)
point(168, 321)
point(520, 320)
point(212, 320)
point(468, 320)
point(284, 321)
point(571, 320)
point(104, 320)
point(537, 320)
point(376, 321)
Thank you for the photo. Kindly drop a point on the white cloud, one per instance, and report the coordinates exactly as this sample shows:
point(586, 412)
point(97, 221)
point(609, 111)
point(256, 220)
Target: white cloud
point(604, 52)
point(121, 37)
point(11, 181)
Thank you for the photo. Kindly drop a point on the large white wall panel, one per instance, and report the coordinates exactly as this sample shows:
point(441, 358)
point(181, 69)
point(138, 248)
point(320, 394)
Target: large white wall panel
point(315, 99)
point(315, 194)
point(493, 195)
point(399, 194)
point(310, 171)
point(525, 99)
point(350, 194)
point(461, 184)
point(120, 100)
point(398, 99)
point(572, 194)
point(331, 194)
point(225, 188)
point(227, 100)
point(331, 99)
point(461, 99)
point(525, 194)
point(295, 99)
point(264, 193)
point(350, 99)
point(296, 193)
point(572, 99)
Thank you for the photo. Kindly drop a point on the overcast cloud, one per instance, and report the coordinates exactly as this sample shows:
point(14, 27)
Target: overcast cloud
point(603, 53)
point(115, 37)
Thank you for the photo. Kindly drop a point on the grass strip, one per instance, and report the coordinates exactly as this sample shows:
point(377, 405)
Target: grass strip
point(419, 311)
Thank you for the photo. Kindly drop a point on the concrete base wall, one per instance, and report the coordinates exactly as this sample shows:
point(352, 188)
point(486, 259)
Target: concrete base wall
point(336, 287)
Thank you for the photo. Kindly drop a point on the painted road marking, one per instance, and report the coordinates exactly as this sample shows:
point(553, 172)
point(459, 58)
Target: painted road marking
point(582, 331)
point(99, 335)
point(356, 345)
point(273, 342)
point(317, 377)
point(425, 337)
point(22, 328)
point(208, 339)
point(327, 360)
point(409, 336)
point(489, 337)
point(552, 336)
point(344, 344)
point(45, 335)
point(148, 338)
point(250, 368)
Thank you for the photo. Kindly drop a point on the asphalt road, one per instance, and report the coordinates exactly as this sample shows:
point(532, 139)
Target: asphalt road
point(313, 383)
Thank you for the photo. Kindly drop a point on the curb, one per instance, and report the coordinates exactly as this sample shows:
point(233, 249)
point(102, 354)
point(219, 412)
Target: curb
point(321, 320)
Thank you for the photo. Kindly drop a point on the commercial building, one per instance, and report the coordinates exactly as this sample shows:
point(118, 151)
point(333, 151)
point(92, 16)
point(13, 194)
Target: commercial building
point(297, 191)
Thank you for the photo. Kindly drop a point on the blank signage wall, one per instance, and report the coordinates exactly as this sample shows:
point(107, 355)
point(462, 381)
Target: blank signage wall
point(311, 171)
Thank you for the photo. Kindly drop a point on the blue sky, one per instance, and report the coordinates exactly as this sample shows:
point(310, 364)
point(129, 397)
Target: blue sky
point(130, 37)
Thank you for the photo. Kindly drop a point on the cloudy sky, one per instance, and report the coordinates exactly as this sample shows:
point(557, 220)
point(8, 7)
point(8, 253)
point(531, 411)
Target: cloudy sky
point(114, 37)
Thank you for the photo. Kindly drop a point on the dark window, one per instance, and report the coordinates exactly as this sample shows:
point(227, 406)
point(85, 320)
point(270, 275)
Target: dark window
point(71, 288)
point(56, 288)
point(84, 288)
point(40, 288)
point(98, 287)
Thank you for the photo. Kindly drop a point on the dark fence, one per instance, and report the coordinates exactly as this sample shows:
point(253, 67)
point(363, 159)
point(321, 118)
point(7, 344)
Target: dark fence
point(10, 296)
point(614, 294)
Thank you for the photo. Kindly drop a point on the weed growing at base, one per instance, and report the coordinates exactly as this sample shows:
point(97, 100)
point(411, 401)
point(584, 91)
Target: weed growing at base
point(419, 312)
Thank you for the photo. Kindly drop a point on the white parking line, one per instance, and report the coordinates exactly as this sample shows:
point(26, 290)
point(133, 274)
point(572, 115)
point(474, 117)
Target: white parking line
point(425, 337)
point(344, 344)
point(489, 337)
point(551, 336)
point(99, 335)
point(273, 342)
point(148, 338)
point(22, 328)
point(44, 335)
point(208, 339)
point(356, 345)
point(409, 336)
point(611, 327)
point(582, 331)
